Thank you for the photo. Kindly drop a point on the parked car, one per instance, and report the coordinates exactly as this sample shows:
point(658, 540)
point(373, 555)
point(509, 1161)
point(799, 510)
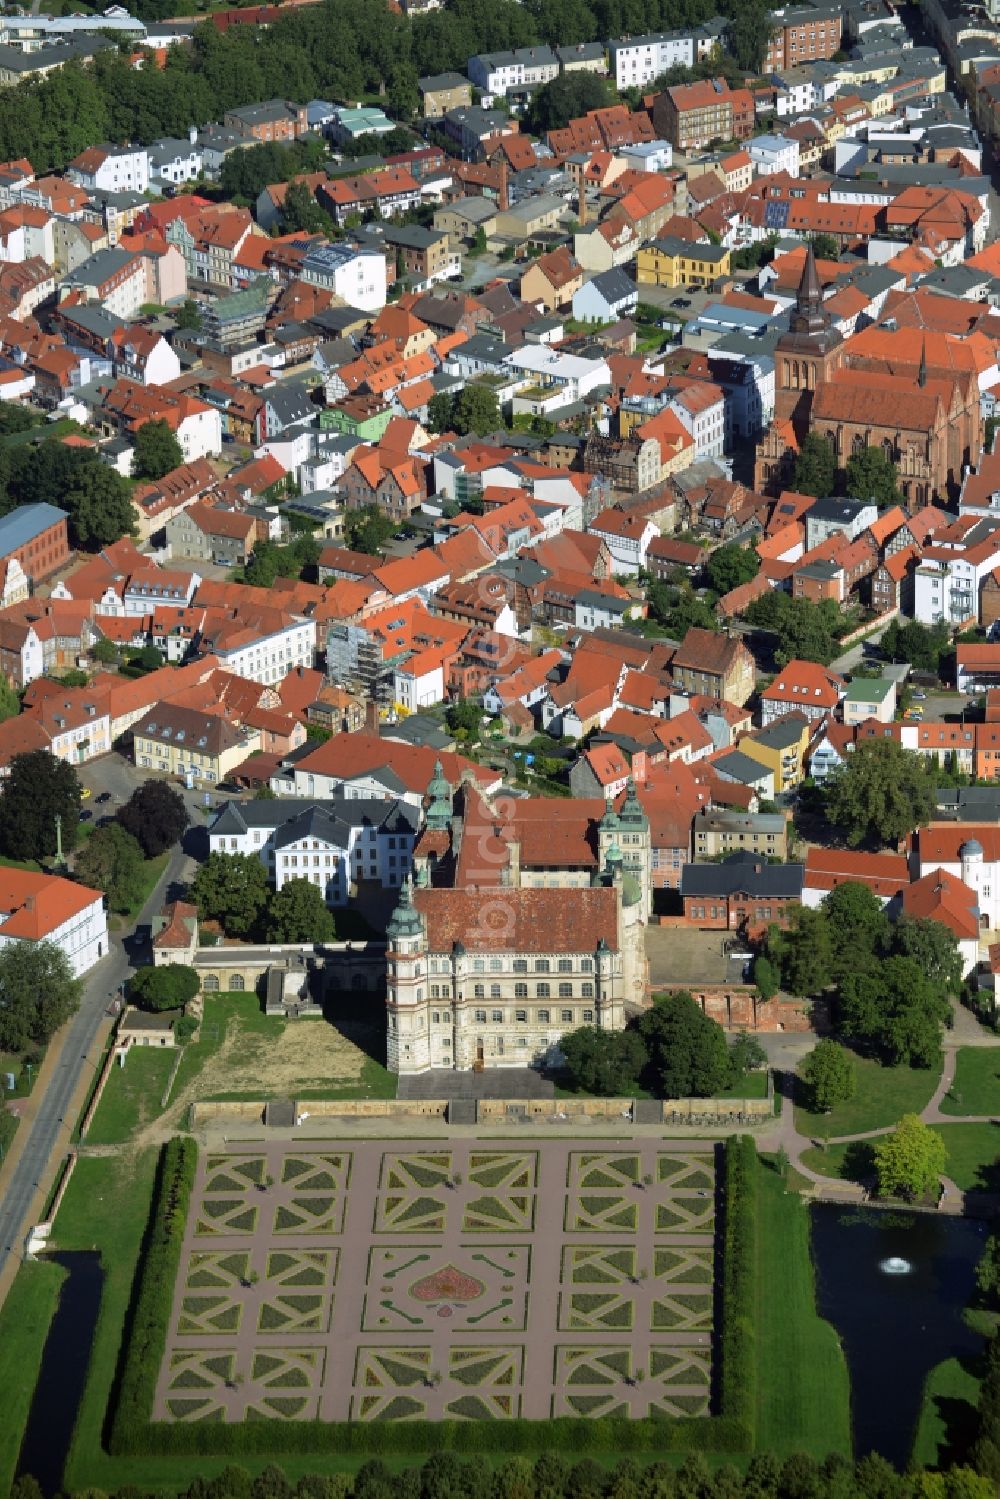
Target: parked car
point(85, 816)
point(918, 697)
point(681, 302)
point(105, 796)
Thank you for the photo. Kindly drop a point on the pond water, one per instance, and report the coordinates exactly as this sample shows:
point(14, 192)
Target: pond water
point(894, 1285)
point(63, 1371)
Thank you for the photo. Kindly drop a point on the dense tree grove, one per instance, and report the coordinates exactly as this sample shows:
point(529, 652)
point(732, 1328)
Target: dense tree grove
point(805, 631)
point(891, 982)
point(342, 49)
point(675, 1050)
point(38, 790)
point(880, 794)
point(96, 499)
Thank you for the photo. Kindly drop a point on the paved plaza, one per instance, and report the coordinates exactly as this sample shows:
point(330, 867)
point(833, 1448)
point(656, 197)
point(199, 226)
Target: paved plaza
point(380, 1280)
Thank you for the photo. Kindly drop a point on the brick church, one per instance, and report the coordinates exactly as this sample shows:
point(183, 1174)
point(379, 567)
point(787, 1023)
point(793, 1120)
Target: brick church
point(876, 390)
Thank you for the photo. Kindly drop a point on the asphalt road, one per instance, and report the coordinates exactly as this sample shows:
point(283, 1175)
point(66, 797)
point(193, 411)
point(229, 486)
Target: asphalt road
point(49, 1130)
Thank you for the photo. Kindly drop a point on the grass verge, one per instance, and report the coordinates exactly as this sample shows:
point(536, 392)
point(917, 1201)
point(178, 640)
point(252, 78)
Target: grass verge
point(976, 1087)
point(804, 1402)
point(973, 1155)
point(24, 1325)
point(131, 1095)
point(883, 1095)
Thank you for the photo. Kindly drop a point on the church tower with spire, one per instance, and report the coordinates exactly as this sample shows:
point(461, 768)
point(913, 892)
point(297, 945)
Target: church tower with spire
point(805, 356)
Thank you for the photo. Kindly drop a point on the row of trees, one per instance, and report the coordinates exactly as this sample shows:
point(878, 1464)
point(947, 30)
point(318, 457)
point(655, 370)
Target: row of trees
point(38, 994)
point(870, 473)
point(551, 1476)
point(233, 890)
point(674, 1050)
point(890, 982)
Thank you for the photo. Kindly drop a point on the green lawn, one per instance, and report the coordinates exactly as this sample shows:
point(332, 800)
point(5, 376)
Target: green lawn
point(24, 1324)
point(132, 1095)
point(976, 1088)
point(754, 1085)
point(973, 1153)
point(804, 1403)
point(883, 1095)
point(948, 1414)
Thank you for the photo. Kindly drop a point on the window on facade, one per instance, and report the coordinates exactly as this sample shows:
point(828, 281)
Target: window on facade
point(565, 991)
point(480, 1017)
point(541, 991)
point(565, 965)
point(210, 982)
point(588, 1017)
point(586, 965)
point(237, 982)
point(541, 965)
point(520, 991)
point(495, 965)
point(521, 1016)
point(479, 991)
point(435, 1014)
point(496, 1016)
point(520, 965)
point(494, 991)
point(479, 965)
point(587, 990)
point(566, 1016)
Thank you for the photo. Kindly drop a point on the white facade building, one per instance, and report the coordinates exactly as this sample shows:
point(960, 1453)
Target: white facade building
point(357, 276)
point(637, 60)
point(334, 844)
point(45, 907)
point(496, 72)
point(269, 657)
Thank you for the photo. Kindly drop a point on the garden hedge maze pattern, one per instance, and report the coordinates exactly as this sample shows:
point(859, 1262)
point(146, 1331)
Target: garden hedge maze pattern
point(393, 1283)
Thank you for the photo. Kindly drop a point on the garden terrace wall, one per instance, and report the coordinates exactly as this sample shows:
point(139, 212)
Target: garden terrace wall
point(252, 1111)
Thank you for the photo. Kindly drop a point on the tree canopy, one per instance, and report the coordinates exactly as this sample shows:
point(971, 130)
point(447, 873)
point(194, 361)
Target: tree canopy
point(815, 466)
point(95, 497)
point(922, 646)
point(688, 1054)
point(880, 794)
point(805, 631)
point(730, 565)
point(911, 1161)
point(38, 993)
point(111, 860)
point(871, 475)
point(474, 408)
point(168, 986)
point(608, 1063)
point(156, 450)
point(747, 34)
point(231, 889)
point(298, 913)
point(38, 789)
point(567, 97)
point(830, 1075)
point(155, 815)
point(896, 1011)
point(367, 529)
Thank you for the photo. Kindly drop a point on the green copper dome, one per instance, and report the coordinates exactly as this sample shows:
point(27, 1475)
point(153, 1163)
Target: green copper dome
point(405, 920)
point(439, 793)
point(609, 822)
point(631, 815)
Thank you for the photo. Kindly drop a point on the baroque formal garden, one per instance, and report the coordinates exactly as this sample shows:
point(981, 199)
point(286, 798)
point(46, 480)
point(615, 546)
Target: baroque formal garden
point(376, 1282)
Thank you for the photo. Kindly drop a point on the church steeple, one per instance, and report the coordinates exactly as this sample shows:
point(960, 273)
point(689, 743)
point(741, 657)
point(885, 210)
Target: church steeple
point(922, 371)
point(810, 294)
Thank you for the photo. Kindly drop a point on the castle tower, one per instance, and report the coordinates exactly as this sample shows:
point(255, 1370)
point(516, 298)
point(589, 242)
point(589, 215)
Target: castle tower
point(805, 356)
point(636, 846)
point(439, 808)
point(407, 1028)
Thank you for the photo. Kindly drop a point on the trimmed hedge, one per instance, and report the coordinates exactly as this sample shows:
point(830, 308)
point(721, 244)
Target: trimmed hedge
point(147, 1335)
point(731, 1431)
point(737, 1341)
